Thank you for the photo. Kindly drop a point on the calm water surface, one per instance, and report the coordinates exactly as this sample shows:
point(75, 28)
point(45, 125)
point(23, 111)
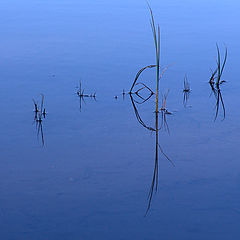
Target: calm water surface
point(91, 178)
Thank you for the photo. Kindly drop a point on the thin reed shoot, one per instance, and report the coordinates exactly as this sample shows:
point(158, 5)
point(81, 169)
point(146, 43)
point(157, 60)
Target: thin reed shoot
point(217, 74)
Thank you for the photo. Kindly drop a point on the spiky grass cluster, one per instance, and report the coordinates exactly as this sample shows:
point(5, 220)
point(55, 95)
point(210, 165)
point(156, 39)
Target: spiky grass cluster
point(39, 115)
point(216, 81)
point(217, 74)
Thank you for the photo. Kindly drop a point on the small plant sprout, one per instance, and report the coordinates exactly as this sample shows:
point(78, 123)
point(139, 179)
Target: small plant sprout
point(217, 74)
point(186, 85)
point(216, 81)
point(186, 91)
point(39, 115)
point(82, 95)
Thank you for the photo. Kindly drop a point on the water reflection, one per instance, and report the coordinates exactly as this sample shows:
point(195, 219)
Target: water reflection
point(216, 91)
point(134, 104)
point(186, 91)
point(82, 96)
point(158, 149)
point(216, 81)
point(164, 112)
point(39, 115)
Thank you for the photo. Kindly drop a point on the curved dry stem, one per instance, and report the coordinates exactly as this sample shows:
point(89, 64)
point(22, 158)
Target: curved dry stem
point(139, 73)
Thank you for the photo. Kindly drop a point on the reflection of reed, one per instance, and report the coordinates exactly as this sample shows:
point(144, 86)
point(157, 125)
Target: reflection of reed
point(186, 91)
point(134, 102)
point(158, 149)
point(215, 82)
point(163, 112)
point(39, 115)
point(83, 95)
point(142, 99)
point(39, 128)
point(219, 99)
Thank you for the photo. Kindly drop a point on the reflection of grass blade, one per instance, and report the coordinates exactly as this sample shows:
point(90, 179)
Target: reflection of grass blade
point(40, 131)
point(219, 100)
point(165, 155)
point(215, 86)
point(223, 106)
point(138, 115)
point(143, 99)
point(40, 112)
point(186, 91)
point(155, 171)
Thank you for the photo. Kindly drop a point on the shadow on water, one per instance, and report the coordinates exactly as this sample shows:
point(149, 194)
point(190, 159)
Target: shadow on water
point(39, 115)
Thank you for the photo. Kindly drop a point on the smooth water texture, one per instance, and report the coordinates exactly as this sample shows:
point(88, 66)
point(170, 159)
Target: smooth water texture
point(91, 178)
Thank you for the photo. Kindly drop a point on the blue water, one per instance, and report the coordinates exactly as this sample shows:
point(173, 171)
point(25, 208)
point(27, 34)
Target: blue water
point(91, 178)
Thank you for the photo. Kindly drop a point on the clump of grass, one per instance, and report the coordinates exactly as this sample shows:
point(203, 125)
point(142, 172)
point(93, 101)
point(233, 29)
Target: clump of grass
point(216, 81)
point(217, 74)
point(39, 115)
point(39, 110)
point(82, 95)
point(186, 85)
point(164, 101)
point(186, 91)
point(164, 113)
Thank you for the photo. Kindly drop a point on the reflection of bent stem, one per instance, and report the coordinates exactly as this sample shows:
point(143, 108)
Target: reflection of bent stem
point(158, 147)
point(39, 115)
point(164, 121)
point(39, 127)
point(156, 128)
point(185, 97)
point(215, 82)
point(155, 171)
point(186, 91)
point(138, 115)
point(219, 99)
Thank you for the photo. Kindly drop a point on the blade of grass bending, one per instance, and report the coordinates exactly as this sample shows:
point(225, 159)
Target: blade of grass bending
point(139, 73)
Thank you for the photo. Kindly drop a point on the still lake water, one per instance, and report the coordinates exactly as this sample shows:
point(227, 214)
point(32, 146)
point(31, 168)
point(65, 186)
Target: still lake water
point(91, 178)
